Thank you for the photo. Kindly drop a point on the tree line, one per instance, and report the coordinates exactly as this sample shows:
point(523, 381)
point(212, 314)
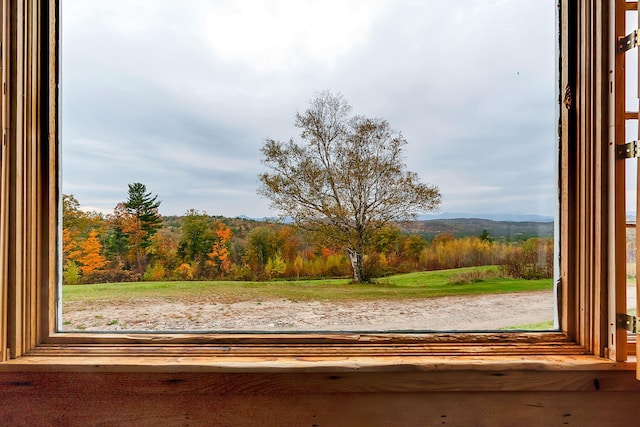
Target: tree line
point(135, 243)
point(345, 186)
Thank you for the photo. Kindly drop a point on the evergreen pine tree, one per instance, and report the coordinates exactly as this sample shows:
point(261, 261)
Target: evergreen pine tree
point(143, 206)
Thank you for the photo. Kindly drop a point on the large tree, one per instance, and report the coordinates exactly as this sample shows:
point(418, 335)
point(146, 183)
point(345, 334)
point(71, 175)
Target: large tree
point(77, 225)
point(143, 207)
point(92, 258)
point(196, 240)
point(346, 179)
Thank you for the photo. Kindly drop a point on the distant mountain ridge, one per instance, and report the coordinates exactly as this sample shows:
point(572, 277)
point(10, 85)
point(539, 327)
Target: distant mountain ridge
point(449, 215)
point(492, 217)
point(427, 228)
point(497, 230)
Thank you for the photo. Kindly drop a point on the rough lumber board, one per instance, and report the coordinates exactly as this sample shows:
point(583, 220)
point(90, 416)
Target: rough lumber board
point(41, 383)
point(310, 364)
point(104, 407)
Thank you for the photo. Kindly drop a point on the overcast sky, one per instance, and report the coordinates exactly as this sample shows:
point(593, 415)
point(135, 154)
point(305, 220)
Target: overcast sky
point(180, 95)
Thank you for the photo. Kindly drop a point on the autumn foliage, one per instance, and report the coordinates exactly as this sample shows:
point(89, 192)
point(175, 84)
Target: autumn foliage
point(219, 256)
point(100, 248)
point(91, 258)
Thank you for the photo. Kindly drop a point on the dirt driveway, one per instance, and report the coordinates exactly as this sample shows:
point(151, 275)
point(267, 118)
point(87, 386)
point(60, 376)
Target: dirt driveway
point(479, 312)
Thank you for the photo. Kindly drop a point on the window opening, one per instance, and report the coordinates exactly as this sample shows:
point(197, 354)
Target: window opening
point(102, 108)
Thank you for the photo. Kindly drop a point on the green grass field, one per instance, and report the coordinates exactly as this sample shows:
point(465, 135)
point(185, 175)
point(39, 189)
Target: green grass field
point(540, 326)
point(402, 286)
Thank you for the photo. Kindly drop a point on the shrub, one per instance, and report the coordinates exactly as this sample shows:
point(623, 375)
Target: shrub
point(111, 276)
point(336, 265)
point(447, 252)
point(71, 274)
point(155, 273)
point(275, 267)
point(473, 276)
point(244, 272)
point(534, 260)
point(375, 265)
point(184, 272)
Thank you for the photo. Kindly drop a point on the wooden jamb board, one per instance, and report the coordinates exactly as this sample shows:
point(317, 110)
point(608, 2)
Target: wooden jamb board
point(4, 180)
point(638, 206)
point(24, 179)
point(30, 314)
point(618, 116)
point(49, 304)
point(33, 194)
point(617, 246)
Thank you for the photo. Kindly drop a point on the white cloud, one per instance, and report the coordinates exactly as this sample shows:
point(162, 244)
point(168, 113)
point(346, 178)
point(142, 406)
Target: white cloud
point(181, 95)
point(284, 34)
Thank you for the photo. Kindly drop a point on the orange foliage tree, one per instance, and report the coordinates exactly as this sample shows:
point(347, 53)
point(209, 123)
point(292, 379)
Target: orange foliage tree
point(91, 258)
point(76, 224)
point(219, 256)
point(70, 246)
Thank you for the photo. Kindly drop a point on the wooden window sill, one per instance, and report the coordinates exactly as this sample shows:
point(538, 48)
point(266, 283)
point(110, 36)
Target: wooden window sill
point(178, 363)
point(265, 375)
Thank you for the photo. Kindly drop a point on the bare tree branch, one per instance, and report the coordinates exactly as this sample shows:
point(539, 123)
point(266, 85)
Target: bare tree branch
point(347, 177)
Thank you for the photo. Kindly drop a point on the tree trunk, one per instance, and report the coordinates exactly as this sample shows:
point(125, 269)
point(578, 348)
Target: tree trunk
point(141, 259)
point(357, 265)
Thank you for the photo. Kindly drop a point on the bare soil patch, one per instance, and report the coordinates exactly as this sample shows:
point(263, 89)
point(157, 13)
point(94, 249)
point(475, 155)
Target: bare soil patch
point(476, 312)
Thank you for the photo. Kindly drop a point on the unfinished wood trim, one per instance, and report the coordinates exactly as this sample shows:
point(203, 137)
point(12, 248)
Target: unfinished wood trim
point(317, 381)
point(616, 294)
point(585, 226)
point(320, 338)
point(631, 346)
point(581, 277)
point(600, 79)
point(581, 245)
point(567, 199)
point(50, 251)
point(335, 363)
point(35, 182)
point(23, 73)
point(16, 177)
point(586, 165)
point(150, 345)
point(637, 226)
point(198, 403)
point(354, 381)
point(4, 184)
point(403, 343)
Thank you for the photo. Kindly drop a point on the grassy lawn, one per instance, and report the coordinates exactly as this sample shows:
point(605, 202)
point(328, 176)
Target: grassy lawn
point(403, 286)
point(540, 326)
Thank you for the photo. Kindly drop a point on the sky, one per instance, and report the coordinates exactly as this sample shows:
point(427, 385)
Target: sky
point(182, 95)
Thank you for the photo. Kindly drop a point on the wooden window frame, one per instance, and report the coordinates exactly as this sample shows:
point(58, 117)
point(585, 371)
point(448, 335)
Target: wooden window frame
point(619, 117)
point(29, 226)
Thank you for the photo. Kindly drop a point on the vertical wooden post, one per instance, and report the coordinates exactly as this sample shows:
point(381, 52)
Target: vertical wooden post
point(637, 209)
point(4, 189)
point(50, 188)
point(26, 141)
point(617, 225)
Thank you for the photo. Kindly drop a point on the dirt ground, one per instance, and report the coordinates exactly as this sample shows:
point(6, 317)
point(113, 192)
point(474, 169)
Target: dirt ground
point(478, 312)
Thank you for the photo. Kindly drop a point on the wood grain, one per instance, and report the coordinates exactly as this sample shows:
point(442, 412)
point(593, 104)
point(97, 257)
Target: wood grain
point(587, 230)
point(190, 383)
point(337, 363)
point(266, 400)
point(4, 186)
point(616, 345)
